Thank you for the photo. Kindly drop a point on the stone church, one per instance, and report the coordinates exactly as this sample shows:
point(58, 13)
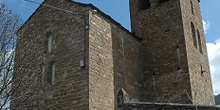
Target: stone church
point(85, 60)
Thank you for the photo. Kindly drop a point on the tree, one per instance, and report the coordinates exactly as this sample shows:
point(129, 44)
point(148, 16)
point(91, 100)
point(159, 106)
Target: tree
point(14, 75)
point(9, 23)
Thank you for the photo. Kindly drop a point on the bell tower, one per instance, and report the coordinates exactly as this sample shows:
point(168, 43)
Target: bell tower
point(174, 56)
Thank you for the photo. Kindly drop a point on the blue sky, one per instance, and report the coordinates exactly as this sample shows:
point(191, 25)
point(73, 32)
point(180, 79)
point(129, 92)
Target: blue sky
point(119, 10)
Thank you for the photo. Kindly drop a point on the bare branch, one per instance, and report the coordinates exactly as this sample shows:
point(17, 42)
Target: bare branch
point(9, 24)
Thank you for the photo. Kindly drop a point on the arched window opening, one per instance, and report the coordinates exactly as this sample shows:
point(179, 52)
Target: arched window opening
point(51, 73)
point(192, 9)
point(200, 42)
point(144, 4)
point(161, 1)
point(194, 34)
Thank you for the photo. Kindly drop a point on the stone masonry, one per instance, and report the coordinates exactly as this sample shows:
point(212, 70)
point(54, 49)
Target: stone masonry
point(174, 58)
point(71, 86)
point(88, 61)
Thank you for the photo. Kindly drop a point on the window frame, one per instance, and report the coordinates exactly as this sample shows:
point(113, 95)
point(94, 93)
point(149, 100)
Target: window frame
point(51, 73)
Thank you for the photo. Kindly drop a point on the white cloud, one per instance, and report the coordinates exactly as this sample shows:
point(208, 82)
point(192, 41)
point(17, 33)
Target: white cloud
point(214, 60)
point(206, 25)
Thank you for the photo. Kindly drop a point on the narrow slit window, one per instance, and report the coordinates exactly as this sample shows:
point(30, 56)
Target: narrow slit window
point(121, 46)
point(194, 34)
point(192, 9)
point(154, 80)
point(200, 42)
point(161, 1)
point(41, 74)
point(51, 73)
point(202, 70)
point(121, 42)
point(178, 55)
point(49, 43)
point(144, 4)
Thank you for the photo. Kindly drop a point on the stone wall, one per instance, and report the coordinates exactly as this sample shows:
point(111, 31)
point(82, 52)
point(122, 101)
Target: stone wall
point(164, 60)
point(174, 69)
point(100, 65)
point(70, 89)
point(109, 51)
point(113, 61)
point(101, 81)
point(201, 86)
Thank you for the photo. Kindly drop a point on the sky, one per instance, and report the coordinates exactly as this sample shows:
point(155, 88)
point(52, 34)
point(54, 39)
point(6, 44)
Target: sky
point(119, 10)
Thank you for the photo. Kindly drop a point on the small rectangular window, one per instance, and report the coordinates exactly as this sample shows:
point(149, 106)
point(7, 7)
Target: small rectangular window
point(144, 4)
point(161, 1)
point(202, 70)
